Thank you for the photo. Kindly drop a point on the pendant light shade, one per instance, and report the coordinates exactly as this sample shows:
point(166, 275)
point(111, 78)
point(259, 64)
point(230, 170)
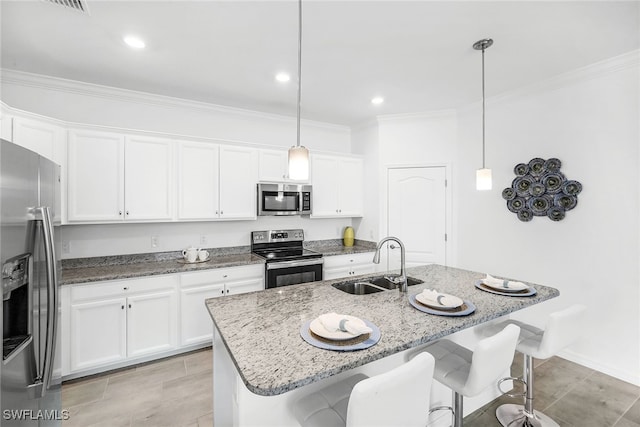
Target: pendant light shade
point(298, 162)
point(483, 176)
point(483, 179)
point(299, 155)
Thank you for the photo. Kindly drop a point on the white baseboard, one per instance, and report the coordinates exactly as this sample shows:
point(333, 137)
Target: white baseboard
point(623, 375)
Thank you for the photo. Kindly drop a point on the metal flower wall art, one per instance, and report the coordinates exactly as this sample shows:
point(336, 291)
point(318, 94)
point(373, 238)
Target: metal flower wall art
point(540, 189)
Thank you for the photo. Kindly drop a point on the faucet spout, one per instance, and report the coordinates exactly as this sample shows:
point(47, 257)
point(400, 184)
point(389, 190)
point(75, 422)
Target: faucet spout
point(403, 274)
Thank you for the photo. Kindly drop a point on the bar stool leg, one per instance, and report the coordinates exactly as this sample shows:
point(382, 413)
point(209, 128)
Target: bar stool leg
point(511, 415)
point(457, 409)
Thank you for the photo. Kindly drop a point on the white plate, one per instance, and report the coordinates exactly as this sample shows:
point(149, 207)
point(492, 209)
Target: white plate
point(318, 328)
point(445, 301)
point(511, 286)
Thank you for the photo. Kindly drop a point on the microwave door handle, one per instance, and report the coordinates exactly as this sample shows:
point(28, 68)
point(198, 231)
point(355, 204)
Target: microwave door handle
point(52, 297)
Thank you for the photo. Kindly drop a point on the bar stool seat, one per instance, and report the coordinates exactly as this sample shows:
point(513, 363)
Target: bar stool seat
point(561, 330)
point(399, 397)
point(468, 373)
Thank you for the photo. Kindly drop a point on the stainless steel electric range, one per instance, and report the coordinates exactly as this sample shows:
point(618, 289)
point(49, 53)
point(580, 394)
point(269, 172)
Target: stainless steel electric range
point(287, 262)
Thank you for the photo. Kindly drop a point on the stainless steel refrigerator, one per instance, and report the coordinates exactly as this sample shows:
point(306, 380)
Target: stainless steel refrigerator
point(29, 208)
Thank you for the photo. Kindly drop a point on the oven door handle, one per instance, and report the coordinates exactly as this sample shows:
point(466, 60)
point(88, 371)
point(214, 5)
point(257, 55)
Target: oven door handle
point(293, 263)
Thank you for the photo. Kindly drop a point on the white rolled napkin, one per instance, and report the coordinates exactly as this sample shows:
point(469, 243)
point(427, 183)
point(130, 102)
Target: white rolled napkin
point(334, 322)
point(503, 284)
point(444, 300)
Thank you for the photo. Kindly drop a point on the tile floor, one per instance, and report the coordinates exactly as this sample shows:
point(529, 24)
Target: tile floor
point(177, 392)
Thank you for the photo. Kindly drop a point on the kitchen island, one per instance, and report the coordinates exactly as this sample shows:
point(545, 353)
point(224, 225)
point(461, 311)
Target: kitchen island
point(262, 365)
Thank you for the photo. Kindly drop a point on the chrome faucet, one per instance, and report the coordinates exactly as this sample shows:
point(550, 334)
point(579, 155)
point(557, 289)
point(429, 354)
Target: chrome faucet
point(376, 259)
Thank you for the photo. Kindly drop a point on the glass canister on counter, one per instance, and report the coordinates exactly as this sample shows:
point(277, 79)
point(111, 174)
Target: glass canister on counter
point(348, 236)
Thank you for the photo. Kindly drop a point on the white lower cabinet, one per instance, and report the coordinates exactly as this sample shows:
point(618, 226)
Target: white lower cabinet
point(111, 322)
point(195, 288)
point(338, 266)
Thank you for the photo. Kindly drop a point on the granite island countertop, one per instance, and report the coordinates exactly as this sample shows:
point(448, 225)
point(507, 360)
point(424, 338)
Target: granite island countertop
point(261, 330)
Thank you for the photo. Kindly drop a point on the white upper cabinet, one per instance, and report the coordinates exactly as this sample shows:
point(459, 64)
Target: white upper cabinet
point(338, 184)
point(112, 177)
point(44, 138)
point(95, 176)
point(198, 181)
point(238, 182)
point(148, 178)
point(217, 181)
point(273, 165)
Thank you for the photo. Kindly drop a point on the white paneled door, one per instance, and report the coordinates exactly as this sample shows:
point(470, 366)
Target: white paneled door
point(416, 201)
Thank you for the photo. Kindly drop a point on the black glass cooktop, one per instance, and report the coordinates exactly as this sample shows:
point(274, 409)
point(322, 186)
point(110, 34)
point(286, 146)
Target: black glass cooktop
point(286, 254)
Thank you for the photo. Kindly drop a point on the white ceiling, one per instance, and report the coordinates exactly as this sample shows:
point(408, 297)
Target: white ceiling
point(416, 54)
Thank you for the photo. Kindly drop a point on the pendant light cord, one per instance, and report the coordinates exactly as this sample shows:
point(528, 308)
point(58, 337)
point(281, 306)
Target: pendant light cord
point(299, 67)
point(482, 109)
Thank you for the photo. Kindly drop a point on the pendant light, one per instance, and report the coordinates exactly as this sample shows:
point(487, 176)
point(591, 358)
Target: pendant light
point(483, 176)
point(298, 154)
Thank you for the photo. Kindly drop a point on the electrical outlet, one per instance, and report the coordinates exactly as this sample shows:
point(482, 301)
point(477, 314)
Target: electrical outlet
point(203, 239)
point(66, 247)
point(154, 241)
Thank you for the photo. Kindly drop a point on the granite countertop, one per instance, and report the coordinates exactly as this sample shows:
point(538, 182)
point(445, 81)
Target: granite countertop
point(261, 330)
point(96, 269)
point(335, 247)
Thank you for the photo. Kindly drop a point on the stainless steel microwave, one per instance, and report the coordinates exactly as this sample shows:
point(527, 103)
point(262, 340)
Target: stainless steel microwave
point(284, 199)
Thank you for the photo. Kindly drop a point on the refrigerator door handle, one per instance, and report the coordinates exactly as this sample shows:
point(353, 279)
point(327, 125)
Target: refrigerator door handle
point(52, 297)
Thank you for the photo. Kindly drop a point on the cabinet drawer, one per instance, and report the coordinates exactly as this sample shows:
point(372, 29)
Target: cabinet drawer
point(91, 291)
point(221, 275)
point(350, 259)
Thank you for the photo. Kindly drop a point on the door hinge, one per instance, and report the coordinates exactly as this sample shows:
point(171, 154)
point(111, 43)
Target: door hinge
point(445, 237)
point(446, 183)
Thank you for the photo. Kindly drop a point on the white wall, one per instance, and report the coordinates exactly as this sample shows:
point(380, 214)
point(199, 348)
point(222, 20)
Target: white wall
point(120, 239)
point(590, 121)
point(77, 102)
point(365, 141)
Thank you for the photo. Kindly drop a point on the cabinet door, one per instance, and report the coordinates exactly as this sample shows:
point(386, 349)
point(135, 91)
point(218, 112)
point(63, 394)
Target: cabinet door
point(244, 286)
point(350, 192)
point(196, 326)
point(151, 323)
point(41, 137)
point(95, 176)
point(148, 178)
point(238, 182)
point(325, 181)
point(98, 333)
point(273, 165)
point(330, 273)
point(198, 181)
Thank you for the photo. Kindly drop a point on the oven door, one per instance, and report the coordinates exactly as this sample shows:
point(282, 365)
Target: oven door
point(287, 273)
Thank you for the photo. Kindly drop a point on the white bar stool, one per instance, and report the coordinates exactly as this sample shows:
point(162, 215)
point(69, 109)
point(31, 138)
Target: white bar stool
point(399, 397)
point(560, 331)
point(468, 373)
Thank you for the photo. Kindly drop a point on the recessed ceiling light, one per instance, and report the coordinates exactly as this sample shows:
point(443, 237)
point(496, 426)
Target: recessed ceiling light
point(283, 77)
point(377, 100)
point(134, 42)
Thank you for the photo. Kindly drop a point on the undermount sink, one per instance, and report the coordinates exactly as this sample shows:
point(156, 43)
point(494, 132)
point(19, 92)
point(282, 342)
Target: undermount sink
point(373, 285)
point(358, 288)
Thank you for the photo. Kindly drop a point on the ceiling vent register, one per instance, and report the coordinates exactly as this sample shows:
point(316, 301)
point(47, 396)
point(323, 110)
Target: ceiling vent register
point(77, 5)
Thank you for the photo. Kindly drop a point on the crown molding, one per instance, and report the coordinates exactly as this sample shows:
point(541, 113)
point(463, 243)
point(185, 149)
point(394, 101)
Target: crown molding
point(41, 81)
point(596, 70)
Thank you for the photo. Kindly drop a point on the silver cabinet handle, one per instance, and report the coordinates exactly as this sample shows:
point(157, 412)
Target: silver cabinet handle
point(129, 305)
point(120, 213)
point(127, 213)
point(221, 213)
point(123, 306)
